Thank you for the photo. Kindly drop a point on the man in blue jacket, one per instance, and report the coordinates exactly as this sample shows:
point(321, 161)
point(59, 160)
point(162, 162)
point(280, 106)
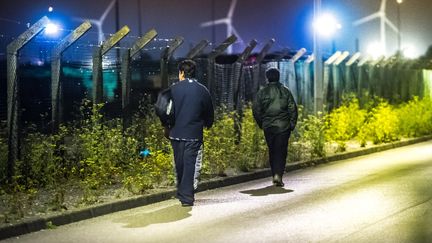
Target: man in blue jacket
point(193, 109)
point(275, 111)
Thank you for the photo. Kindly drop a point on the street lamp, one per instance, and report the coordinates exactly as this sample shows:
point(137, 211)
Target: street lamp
point(318, 65)
point(399, 2)
point(51, 29)
point(324, 26)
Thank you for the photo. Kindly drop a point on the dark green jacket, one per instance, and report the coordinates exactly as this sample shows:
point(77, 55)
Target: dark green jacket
point(274, 108)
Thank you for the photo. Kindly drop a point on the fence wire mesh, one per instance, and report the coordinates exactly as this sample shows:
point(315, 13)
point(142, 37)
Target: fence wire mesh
point(228, 80)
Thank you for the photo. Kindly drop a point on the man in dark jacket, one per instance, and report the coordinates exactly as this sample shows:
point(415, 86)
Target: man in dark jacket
point(193, 111)
point(275, 111)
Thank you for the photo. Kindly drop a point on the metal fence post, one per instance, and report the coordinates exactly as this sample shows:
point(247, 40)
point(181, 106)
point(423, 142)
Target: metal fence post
point(338, 84)
point(237, 85)
point(328, 76)
point(126, 72)
point(97, 62)
point(362, 77)
point(13, 99)
point(350, 77)
point(197, 50)
point(292, 77)
point(56, 85)
point(308, 92)
point(165, 56)
point(259, 75)
point(238, 104)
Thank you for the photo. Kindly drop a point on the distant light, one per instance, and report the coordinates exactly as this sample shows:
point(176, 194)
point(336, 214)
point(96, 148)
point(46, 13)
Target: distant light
point(410, 52)
point(326, 25)
point(39, 63)
point(50, 9)
point(375, 50)
point(51, 29)
point(399, 1)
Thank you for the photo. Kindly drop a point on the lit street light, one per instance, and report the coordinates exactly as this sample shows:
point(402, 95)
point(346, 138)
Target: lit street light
point(324, 26)
point(51, 29)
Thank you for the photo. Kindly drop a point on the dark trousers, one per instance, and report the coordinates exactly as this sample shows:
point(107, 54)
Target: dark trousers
point(187, 158)
point(278, 150)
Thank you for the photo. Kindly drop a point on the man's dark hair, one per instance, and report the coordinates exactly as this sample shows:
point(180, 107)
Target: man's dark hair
point(188, 67)
point(272, 75)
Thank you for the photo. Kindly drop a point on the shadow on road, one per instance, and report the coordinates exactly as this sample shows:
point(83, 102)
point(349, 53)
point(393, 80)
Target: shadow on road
point(210, 201)
point(164, 215)
point(267, 191)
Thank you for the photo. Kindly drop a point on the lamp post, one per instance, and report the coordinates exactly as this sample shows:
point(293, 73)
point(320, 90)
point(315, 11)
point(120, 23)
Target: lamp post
point(318, 65)
point(324, 26)
point(399, 2)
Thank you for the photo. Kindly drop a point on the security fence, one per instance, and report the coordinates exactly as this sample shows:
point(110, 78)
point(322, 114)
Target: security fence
point(46, 79)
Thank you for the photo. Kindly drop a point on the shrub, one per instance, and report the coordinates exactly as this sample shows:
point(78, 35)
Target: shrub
point(219, 145)
point(41, 161)
point(415, 117)
point(344, 123)
point(3, 160)
point(311, 132)
point(252, 147)
point(381, 125)
point(161, 156)
point(97, 167)
point(144, 173)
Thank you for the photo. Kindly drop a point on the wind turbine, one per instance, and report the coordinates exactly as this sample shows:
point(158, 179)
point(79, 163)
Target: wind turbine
point(228, 21)
point(383, 21)
point(99, 22)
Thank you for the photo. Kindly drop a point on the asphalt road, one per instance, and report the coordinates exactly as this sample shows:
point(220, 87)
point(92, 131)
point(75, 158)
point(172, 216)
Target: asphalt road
point(383, 197)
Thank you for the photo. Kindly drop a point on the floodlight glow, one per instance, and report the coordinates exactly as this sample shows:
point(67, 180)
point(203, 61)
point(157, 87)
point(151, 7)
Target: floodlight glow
point(326, 25)
point(51, 29)
point(375, 50)
point(399, 1)
point(410, 52)
point(50, 9)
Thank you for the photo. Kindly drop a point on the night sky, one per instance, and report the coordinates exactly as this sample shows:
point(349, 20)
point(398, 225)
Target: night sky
point(288, 21)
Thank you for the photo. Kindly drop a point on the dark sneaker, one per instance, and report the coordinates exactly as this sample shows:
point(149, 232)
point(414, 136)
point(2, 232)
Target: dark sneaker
point(277, 181)
point(185, 204)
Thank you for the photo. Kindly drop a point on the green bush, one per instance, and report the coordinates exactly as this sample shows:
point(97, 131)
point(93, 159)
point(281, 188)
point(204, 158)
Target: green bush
point(39, 161)
point(145, 173)
point(252, 147)
point(219, 145)
point(3, 160)
point(311, 134)
point(297, 149)
point(381, 125)
point(156, 168)
point(98, 152)
point(99, 147)
point(344, 123)
point(415, 117)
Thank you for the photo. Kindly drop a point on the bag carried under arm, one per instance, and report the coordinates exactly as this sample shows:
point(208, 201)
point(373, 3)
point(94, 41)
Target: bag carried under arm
point(164, 108)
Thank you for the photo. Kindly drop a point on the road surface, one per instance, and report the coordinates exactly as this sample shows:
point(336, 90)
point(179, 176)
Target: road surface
point(383, 197)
